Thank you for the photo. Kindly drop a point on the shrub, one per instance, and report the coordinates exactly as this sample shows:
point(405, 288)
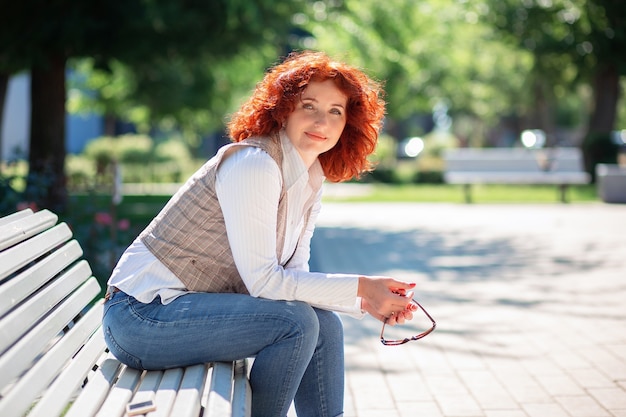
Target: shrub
point(103, 151)
point(428, 177)
point(135, 148)
point(141, 159)
point(172, 150)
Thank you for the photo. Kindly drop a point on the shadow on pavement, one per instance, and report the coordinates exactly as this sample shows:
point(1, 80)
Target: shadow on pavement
point(484, 290)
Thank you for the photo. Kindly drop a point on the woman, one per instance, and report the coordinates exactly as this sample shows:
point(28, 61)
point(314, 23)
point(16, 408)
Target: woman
point(222, 272)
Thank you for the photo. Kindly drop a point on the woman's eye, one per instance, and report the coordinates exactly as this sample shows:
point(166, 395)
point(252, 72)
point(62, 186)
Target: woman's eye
point(336, 111)
point(307, 106)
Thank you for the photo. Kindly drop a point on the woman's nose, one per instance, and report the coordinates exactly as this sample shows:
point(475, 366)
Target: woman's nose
point(320, 118)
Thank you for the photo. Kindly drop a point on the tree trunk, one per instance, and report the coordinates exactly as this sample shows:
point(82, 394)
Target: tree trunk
point(597, 144)
point(4, 83)
point(606, 92)
point(46, 181)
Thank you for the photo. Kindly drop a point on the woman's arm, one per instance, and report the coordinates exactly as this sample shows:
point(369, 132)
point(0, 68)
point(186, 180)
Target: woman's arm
point(248, 187)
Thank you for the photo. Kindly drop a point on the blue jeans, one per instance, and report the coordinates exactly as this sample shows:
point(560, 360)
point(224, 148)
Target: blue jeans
point(298, 349)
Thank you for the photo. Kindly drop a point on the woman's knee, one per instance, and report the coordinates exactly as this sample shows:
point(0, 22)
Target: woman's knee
point(305, 317)
point(331, 326)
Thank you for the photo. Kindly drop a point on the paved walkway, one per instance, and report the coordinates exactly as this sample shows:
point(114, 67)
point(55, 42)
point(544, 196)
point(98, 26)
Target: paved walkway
point(530, 303)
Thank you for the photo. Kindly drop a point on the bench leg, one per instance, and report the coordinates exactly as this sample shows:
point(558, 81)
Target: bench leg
point(467, 192)
point(563, 193)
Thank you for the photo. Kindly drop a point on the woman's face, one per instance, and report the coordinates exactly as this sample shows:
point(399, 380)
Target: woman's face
point(317, 122)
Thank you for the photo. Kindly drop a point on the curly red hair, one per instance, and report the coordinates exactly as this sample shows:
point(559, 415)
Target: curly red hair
point(277, 95)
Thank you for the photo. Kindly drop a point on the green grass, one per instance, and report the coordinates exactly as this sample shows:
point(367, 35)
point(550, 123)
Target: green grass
point(140, 209)
point(454, 194)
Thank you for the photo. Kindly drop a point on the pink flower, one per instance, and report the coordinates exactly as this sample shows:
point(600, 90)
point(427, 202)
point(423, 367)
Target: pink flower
point(23, 205)
point(123, 224)
point(103, 218)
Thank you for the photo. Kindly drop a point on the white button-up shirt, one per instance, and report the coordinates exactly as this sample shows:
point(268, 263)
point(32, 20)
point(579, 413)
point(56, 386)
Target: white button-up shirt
point(248, 187)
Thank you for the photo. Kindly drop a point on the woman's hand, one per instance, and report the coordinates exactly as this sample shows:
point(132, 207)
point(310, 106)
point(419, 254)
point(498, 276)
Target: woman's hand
point(387, 299)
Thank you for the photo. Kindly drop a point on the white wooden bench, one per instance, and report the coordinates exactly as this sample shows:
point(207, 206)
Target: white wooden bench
point(53, 359)
point(558, 166)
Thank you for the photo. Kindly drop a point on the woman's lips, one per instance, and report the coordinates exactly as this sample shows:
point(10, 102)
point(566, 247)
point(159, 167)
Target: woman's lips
point(315, 136)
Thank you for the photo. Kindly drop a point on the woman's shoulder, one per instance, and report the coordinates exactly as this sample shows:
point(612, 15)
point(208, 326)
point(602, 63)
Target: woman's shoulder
point(270, 144)
point(249, 159)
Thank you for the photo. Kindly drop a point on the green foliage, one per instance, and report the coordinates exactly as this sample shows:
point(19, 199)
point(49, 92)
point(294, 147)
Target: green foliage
point(103, 151)
point(573, 42)
point(386, 150)
point(172, 150)
point(14, 192)
point(184, 64)
point(426, 52)
point(10, 197)
point(428, 177)
point(126, 148)
point(437, 141)
point(141, 159)
point(134, 148)
point(192, 97)
point(139, 33)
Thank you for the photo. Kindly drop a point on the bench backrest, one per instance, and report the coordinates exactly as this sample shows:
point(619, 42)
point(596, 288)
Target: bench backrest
point(44, 290)
point(513, 160)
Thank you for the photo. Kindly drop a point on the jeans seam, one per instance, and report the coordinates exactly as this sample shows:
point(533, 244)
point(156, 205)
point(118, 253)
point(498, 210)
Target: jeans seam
point(323, 403)
point(291, 369)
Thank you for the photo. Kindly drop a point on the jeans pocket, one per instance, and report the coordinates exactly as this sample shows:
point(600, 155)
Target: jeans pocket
point(117, 351)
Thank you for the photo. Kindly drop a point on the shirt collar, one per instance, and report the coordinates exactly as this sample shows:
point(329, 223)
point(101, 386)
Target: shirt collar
point(294, 169)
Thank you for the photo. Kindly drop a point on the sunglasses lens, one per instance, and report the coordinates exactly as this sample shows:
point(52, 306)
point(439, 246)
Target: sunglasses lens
point(414, 329)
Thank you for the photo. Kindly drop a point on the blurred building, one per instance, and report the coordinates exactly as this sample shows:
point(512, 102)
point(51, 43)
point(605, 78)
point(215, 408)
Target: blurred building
point(79, 129)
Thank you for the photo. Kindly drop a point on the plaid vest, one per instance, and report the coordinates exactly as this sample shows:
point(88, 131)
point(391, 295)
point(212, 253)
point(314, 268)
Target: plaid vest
point(189, 234)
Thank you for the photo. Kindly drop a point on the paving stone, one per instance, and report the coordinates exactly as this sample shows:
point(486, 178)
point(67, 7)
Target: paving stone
point(528, 301)
point(582, 406)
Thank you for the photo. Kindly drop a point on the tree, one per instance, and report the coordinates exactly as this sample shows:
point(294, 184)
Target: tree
point(586, 35)
point(191, 98)
point(428, 53)
point(42, 35)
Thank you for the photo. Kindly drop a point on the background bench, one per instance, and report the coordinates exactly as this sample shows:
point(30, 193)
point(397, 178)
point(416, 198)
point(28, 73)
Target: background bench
point(558, 166)
point(53, 359)
point(611, 182)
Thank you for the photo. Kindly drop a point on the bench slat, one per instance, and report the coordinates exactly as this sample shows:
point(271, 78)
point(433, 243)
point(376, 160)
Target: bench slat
point(95, 392)
point(166, 394)
point(242, 394)
point(26, 227)
point(46, 369)
point(219, 397)
point(149, 385)
point(61, 391)
point(499, 160)
point(27, 251)
point(20, 320)
point(25, 350)
point(472, 177)
point(15, 216)
point(121, 393)
point(188, 399)
point(25, 283)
